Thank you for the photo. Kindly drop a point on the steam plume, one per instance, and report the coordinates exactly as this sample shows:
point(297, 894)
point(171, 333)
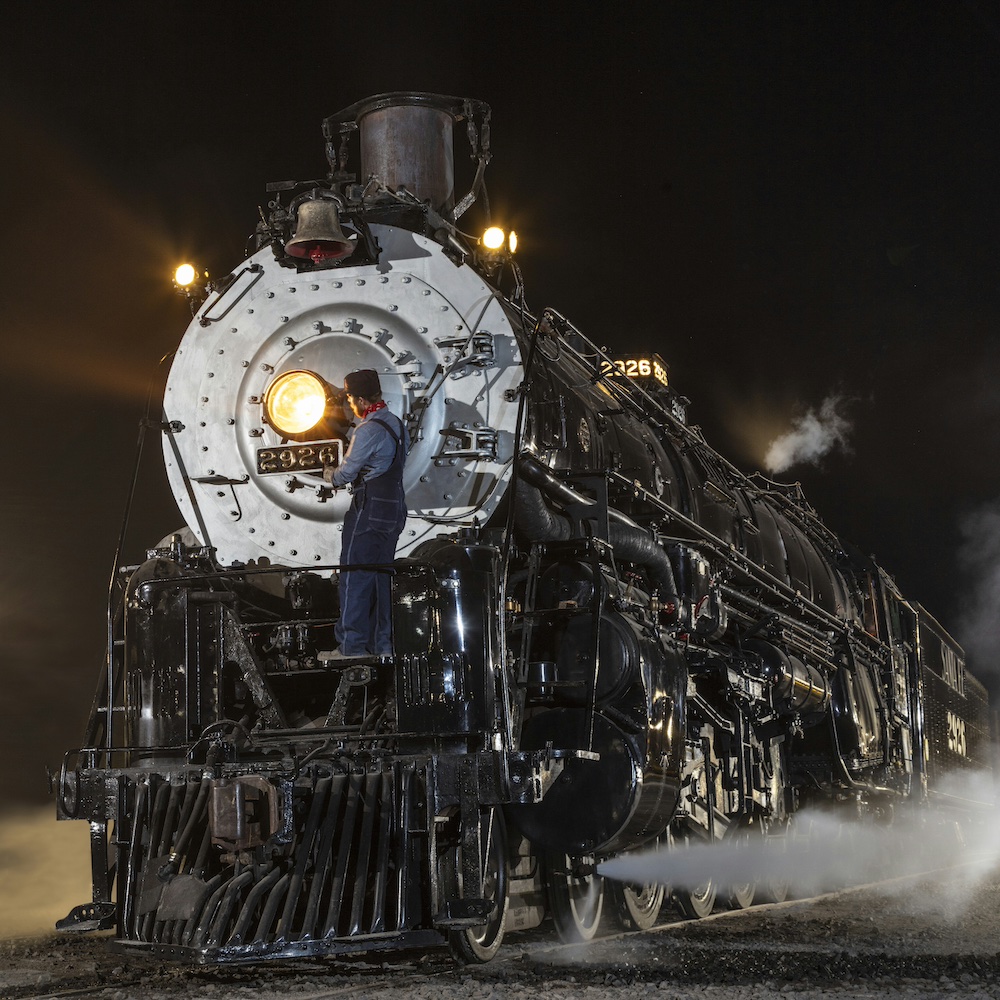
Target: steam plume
point(821, 853)
point(979, 556)
point(812, 436)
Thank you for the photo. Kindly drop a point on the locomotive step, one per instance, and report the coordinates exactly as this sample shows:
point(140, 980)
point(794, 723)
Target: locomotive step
point(335, 656)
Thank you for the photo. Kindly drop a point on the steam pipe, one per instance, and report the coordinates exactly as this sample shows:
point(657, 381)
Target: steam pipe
point(541, 476)
point(629, 541)
point(634, 545)
point(535, 519)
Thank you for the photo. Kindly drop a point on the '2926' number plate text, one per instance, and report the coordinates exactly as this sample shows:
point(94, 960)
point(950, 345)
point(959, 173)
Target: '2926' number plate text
point(299, 457)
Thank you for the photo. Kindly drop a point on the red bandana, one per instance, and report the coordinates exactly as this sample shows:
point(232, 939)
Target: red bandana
point(374, 408)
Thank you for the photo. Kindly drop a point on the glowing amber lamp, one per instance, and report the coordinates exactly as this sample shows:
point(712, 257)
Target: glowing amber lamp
point(494, 238)
point(295, 402)
point(184, 275)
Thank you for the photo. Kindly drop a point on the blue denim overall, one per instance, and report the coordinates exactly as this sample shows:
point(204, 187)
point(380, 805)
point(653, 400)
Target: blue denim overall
point(372, 526)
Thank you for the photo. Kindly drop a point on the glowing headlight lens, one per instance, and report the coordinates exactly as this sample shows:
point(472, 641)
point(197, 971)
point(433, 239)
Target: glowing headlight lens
point(184, 275)
point(494, 238)
point(295, 402)
point(512, 242)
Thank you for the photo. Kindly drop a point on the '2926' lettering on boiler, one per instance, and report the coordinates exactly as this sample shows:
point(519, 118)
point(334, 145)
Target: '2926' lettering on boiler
point(956, 734)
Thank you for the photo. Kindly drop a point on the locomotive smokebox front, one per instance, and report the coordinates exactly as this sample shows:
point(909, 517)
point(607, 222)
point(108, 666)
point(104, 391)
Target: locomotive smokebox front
point(302, 313)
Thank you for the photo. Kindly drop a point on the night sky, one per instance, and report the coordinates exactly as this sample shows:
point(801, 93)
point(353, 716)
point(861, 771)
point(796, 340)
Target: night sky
point(792, 203)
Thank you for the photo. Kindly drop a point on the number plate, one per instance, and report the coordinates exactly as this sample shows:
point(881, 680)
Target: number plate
point(312, 457)
point(636, 368)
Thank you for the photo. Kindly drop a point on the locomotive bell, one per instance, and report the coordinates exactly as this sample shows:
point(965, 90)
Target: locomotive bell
point(318, 235)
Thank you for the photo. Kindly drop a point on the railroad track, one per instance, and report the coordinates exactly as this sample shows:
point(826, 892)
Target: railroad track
point(529, 957)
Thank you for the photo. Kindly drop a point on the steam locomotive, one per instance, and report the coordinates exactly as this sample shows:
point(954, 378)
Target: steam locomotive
point(605, 635)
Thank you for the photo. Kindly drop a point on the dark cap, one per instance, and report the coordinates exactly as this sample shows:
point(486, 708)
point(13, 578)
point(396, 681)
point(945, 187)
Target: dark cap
point(363, 383)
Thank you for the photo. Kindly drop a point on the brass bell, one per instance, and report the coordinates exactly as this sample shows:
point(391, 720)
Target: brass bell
point(318, 235)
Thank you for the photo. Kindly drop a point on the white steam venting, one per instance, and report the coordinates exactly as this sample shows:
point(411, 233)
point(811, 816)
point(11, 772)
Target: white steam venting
point(979, 557)
point(812, 436)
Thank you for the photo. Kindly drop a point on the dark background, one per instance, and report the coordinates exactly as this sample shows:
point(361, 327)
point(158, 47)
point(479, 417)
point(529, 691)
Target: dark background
point(787, 201)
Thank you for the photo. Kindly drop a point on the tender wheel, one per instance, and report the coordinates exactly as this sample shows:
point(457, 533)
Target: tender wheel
point(634, 907)
point(575, 901)
point(476, 945)
point(697, 902)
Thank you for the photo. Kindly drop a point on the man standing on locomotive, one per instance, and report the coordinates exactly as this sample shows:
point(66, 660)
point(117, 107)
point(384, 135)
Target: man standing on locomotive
point(373, 468)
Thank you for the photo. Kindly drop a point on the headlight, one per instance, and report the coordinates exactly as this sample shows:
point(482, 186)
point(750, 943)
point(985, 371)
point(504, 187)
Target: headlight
point(295, 402)
point(494, 238)
point(185, 275)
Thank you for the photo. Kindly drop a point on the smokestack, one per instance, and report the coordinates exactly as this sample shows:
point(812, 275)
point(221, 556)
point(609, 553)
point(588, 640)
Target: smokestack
point(410, 145)
point(407, 140)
